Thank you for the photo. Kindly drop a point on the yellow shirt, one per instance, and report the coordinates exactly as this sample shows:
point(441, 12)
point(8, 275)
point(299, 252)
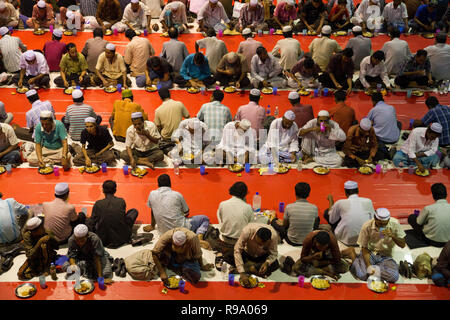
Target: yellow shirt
point(122, 111)
point(169, 115)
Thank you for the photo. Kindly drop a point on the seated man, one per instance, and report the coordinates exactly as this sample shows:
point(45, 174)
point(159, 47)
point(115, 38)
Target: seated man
point(282, 141)
point(40, 249)
point(93, 48)
point(373, 72)
point(238, 144)
point(50, 139)
point(54, 50)
point(42, 17)
point(98, 150)
point(377, 238)
point(253, 111)
point(137, 53)
point(347, 216)
point(5, 117)
point(60, 216)
point(362, 46)
point(9, 146)
point(300, 217)
point(73, 68)
point(284, 15)
point(179, 249)
point(266, 71)
point(339, 72)
point(34, 71)
point(248, 46)
point(321, 49)
point(12, 214)
point(232, 71)
point(439, 54)
point(288, 49)
point(441, 272)
point(342, 113)
point(303, 112)
point(395, 16)
point(319, 137)
point(108, 15)
point(215, 49)
point(361, 146)
point(313, 16)
point(72, 19)
point(158, 72)
point(174, 51)
point(304, 74)
point(142, 143)
point(195, 72)
point(320, 256)
point(211, 15)
point(420, 148)
point(110, 219)
point(368, 16)
point(135, 17)
point(415, 72)
point(425, 18)
point(433, 223)
point(174, 15)
point(110, 69)
point(9, 17)
point(86, 253)
point(396, 51)
point(339, 17)
point(252, 16)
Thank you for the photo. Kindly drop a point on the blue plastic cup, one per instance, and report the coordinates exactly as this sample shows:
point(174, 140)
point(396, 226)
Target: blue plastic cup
point(101, 283)
point(281, 207)
point(8, 168)
point(42, 282)
point(275, 90)
point(316, 93)
point(408, 93)
point(104, 167)
point(411, 122)
point(247, 167)
point(325, 92)
point(231, 279)
point(145, 32)
point(125, 170)
point(260, 33)
point(202, 170)
point(305, 32)
point(10, 30)
point(78, 87)
point(416, 212)
point(119, 87)
point(181, 285)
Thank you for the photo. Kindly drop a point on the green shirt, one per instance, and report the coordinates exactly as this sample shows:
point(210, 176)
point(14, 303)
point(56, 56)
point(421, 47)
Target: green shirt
point(52, 140)
point(69, 66)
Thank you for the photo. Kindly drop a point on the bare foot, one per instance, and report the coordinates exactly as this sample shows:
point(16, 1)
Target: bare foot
point(148, 228)
point(205, 245)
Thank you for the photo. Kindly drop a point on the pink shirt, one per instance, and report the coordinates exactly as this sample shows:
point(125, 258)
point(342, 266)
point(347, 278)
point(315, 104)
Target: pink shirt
point(284, 15)
point(253, 113)
point(53, 51)
point(58, 215)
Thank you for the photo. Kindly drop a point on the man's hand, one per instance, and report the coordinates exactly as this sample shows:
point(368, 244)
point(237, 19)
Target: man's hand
point(133, 163)
point(109, 281)
point(330, 197)
point(266, 83)
point(244, 279)
point(66, 84)
point(317, 255)
point(237, 85)
point(41, 164)
point(388, 232)
point(370, 160)
point(20, 83)
point(360, 161)
point(148, 228)
point(421, 167)
point(88, 162)
point(148, 81)
point(293, 157)
point(164, 277)
point(207, 267)
point(349, 91)
point(338, 86)
point(31, 81)
point(105, 83)
point(264, 268)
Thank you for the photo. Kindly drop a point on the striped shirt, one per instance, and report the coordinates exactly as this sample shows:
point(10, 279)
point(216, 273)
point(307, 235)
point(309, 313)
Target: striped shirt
point(301, 216)
point(33, 115)
point(440, 114)
point(11, 52)
point(215, 115)
point(88, 7)
point(75, 115)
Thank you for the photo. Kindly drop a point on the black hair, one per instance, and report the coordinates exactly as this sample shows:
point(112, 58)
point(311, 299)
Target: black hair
point(302, 190)
point(322, 237)
point(287, 34)
point(218, 95)
point(109, 187)
point(33, 98)
point(210, 32)
point(264, 234)
point(432, 102)
point(260, 50)
point(348, 52)
point(377, 97)
point(62, 196)
point(254, 98)
point(173, 33)
point(308, 63)
point(164, 180)
point(349, 192)
point(164, 93)
point(98, 33)
point(439, 191)
point(395, 33)
point(421, 53)
point(199, 58)
point(379, 55)
point(294, 101)
point(78, 100)
point(70, 46)
point(153, 62)
point(441, 37)
point(238, 189)
point(340, 95)
point(130, 34)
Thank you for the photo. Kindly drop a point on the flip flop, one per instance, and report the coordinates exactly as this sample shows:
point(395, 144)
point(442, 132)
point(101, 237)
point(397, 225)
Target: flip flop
point(218, 262)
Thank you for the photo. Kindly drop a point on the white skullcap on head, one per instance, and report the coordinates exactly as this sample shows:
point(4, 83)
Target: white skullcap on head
point(253, 2)
point(290, 2)
point(194, 123)
point(349, 185)
point(357, 29)
point(30, 93)
point(70, 14)
point(255, 92)
point(436, 127)
point(246, 31)
point(2, 5)
point(290, 115)
point(134, 1)
point(57, 33)
point(90, 120)
point(245, 124)
point(232, 57)
point(3, 30)
point(41, 4)
point(326, 29)
point(45, 114)
point(365, 124)
point(136, 115)
point(213, 1)
point(61, 188)
point(175, 5)
point(382, 214)
point(77, 94)
point(111, 47)
point(80, 231)
point(179, 238)
point(287, 28)
point(33, 223)
point(323, 113)
point(29, 55)
point(293, 95)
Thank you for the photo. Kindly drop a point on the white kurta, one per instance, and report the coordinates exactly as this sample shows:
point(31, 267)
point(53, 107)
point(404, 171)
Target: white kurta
point(234, 141)
point(283, 141)
point(191, 143)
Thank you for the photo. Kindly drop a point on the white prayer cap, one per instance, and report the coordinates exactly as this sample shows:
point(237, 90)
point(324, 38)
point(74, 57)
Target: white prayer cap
point(255, 92)
point(33, 223)
point(3, 30)
point(179, 238)
point(30, 93)
point(357, 29)
point(232, 57)
point(287, 28)
point(365, 124)
point(77, 94)
point(70, 14)
point(57, 33)
point(194, 123)
point(349, 185)
point(175, 5)
point(61, 188)
point(245, 124)
point(323, 113)
point(293, 95)
point(253, 2)
point(2, 5)
point(111, 47)
point(134, 1)
point(29, 55)
point(45, 114)
point(290, 2)
point(436, 127)
point(90, 120)
point(41, 4)
point(246, 31)
point(80, 231)
point(136, 115)
point(326, 29)
point(382, 214)
point(290, 115)
point(213, 1)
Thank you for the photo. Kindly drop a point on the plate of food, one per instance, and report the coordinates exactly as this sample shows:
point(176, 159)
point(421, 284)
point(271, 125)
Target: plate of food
point(138, 172)
point(193, 90)
point(110, 89)
point(92, 169)
point(303, 92)
point(108, 32)
point(230, 89)
point(280, 169)
point(417, 93)
point(138, 33)
point(151, 88)
point(86, 287)
point(368, 34)
point(25, 290)
point(2, 169)
point(267, 90)
point(69, 90)
point(340, 33)
point(46, 170)
point(365, 170)
point(164, 34)
point(68, 33)
point(422, 174)
point(371, 91)
point(320, 283)
point(188, 157)
point(253, 282)
point(428, 35)
point(22, 90)
point(321, 170)
point(311, 33)
point(377, 285)
point(279, 31)
point(173, 282)
point(236, 167)
point(39, 32)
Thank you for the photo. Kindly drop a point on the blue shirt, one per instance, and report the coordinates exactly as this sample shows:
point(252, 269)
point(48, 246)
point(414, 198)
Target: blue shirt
point(52, 140)
point(189, 70)
point(424, 15)
point(384, 120)
point(439, 114)
point(9, 228)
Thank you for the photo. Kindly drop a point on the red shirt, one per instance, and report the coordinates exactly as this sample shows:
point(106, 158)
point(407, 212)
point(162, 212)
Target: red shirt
point(344, 116)
point(335, 10)
point(53, 52)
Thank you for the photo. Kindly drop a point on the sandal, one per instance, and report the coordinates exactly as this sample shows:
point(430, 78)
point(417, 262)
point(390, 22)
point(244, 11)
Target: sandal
point(218, 262)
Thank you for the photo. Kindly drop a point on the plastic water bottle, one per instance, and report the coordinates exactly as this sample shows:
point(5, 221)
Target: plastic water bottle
point(446, 84)
point(176, 169)
point(268, 109)
point(42, 282)
point(276, 112)
point(224, 270)
point(299, 164)
point(257, 202)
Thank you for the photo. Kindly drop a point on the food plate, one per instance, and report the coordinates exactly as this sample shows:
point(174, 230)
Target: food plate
point(303, 92)
point(193, 90)
point(39, 32)
point(267, 90)
point(321, 170)
point(2, 169)
point(110, 89)
point(311, 33)
point(151, 88)
point(68, 90)
point(428, 35)
point(230, 89)
point(235, 167)
point(340, 33)
point(281, 169)
point(253, 282)
point(279, 32)
point(25, 290)
point(320, 283)
point(417, 93)
point(22, 90)
point(138, 172)
point(371, 91)
point(368, 34)
point(365, 170)
point(86, 287)
point(165, 34)
point(424, 174)
point(68, 33)
point(46, 170)
point(108, 32)
point(174, 282)
point(377, 285)
point(188, 157)
point(138, 33)
point(93, 169)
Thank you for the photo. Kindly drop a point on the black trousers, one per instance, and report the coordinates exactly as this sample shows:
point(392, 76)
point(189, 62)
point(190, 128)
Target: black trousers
point(44, 81)
point(326, 81)
point(370, 80)
point(403, 81)
point(229, 258)
point(327, 218)
point(418, 230)
point(352, 163)
point(225, 80)
point(73, 77)
point(98, 120)
point(179, 80)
